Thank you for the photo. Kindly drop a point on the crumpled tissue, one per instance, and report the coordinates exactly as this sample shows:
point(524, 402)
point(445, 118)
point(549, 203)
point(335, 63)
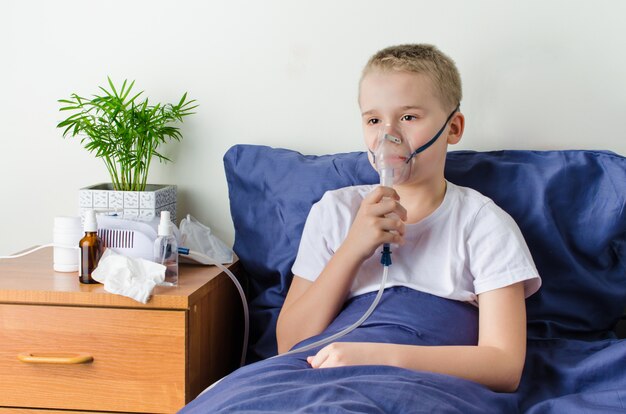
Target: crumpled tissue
point(127, 276)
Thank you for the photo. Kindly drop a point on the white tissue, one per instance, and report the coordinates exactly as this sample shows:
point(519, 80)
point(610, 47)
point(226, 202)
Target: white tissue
point(131, 277)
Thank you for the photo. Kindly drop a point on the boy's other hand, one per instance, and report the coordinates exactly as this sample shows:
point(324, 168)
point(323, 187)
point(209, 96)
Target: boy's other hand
point(341, 354)
point(380, 220)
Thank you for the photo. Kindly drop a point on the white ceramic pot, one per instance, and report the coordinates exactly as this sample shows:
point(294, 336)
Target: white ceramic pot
point(130, 204)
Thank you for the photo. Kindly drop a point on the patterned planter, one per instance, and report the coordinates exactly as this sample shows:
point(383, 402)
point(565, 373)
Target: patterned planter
point(130, 204)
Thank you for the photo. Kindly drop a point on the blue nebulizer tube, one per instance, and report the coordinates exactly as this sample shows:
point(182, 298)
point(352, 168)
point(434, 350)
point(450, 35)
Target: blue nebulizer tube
point(390, 158)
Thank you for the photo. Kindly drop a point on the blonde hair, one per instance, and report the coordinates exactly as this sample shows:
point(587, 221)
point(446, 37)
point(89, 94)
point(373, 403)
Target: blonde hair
point(423, 59)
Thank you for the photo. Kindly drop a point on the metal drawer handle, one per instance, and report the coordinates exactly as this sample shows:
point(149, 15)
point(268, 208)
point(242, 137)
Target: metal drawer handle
point(55, 358)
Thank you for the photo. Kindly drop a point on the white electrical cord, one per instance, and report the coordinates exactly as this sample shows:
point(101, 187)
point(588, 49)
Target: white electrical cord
point(15, 256)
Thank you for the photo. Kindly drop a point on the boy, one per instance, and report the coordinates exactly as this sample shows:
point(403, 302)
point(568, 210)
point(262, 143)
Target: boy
point(449, 241)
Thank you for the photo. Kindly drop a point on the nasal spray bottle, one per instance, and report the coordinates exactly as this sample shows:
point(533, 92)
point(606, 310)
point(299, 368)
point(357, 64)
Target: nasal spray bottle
point(166, 250)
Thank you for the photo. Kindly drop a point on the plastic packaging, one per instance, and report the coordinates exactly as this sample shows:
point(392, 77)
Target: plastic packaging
point(91, 248)
point(198, 238)
point(166, 250)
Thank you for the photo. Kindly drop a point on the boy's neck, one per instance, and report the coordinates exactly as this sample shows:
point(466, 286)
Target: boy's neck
point(422, 199)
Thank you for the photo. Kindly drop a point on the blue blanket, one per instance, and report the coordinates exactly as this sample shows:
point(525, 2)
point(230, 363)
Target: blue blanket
point(287, 384)
point(574, 376)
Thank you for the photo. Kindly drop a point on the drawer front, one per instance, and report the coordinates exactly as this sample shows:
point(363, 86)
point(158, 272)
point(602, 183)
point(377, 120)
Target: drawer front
point(138, 358)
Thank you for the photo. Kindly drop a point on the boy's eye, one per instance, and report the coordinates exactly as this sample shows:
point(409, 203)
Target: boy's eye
point(408, 118)
point(373, 121)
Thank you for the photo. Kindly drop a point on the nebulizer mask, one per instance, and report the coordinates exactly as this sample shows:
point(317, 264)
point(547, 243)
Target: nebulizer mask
point(391, 156)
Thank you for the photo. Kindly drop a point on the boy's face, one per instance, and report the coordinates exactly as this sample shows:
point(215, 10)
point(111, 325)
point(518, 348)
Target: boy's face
point(404, 104)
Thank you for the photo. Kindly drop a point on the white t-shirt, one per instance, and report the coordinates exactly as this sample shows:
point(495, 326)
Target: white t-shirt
point(467, 246)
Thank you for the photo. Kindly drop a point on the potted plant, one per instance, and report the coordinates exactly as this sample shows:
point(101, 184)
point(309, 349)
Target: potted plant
point(126, 134)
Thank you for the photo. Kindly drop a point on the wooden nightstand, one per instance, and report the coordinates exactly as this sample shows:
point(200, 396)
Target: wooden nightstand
point(151, 358)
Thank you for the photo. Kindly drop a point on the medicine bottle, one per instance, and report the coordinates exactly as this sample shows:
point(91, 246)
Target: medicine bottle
point(166, 250)
point(67, 232)
point(90, 248)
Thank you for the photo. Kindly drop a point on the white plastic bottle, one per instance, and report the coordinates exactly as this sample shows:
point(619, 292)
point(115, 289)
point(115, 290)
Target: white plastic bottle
point(66, 235)
point(166, 250)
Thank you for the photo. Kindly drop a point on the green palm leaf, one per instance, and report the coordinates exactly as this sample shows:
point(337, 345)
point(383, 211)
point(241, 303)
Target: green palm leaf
point(125, 133)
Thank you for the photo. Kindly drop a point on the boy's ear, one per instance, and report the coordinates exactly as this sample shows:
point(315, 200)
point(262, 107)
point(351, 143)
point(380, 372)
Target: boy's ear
point(457, 126)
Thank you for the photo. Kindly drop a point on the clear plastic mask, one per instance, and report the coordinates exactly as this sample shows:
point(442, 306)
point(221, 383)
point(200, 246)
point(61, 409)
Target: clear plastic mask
point(391, 155)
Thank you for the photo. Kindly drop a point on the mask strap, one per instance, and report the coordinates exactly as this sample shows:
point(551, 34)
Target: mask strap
point(432, 141)
point(373, 155)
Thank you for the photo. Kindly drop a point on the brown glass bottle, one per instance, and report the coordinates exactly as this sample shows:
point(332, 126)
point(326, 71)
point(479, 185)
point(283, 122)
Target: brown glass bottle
point(90, 248)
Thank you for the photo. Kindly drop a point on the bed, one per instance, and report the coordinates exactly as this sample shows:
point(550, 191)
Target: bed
point(570, 206)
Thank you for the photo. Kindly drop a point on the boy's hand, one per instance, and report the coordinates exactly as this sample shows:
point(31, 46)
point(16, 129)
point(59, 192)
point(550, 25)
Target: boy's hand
point(341, 354)
point(371, 228)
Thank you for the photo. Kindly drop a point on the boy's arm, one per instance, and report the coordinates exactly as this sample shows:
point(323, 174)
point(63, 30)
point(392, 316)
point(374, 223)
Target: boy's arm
point(496, 362)
point(311, 306)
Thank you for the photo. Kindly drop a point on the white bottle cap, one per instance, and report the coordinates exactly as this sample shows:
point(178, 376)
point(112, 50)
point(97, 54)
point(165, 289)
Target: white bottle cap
point(165, 225)
point(67, 223)
point(90, 224)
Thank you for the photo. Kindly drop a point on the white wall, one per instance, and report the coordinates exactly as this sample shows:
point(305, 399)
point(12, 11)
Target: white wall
point(537, 75)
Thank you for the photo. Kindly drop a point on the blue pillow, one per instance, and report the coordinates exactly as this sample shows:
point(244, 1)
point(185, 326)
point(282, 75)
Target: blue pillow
point(568, 204)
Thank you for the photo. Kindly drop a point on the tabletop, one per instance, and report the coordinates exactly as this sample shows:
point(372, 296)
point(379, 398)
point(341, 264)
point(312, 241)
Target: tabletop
point(31, 279)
